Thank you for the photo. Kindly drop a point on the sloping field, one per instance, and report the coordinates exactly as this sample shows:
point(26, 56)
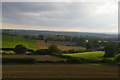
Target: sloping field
point(60, 44)
point(59, 71)
point(12, 41)
point(37, 57)
point(88, 55)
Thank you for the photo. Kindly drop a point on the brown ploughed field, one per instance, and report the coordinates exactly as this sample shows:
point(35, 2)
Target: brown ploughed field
point(59, 71)
point(61, 45)
point(37, 57)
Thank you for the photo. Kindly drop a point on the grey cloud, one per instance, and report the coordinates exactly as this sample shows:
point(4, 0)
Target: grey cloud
point(53, 14)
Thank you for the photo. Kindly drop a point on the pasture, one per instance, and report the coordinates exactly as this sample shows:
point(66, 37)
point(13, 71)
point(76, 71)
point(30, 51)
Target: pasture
point(88, 55)
point(12, 41)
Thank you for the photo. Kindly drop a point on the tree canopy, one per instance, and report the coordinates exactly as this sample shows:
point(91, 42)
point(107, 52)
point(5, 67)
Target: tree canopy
point(53, 49)
point(110, 50)
point(20, 49)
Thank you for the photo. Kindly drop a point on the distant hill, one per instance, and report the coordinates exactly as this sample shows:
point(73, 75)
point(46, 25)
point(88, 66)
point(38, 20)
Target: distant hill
point(41, 32)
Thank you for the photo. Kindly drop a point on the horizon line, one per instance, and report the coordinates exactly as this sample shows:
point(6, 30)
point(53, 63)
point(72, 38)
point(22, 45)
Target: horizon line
point(66, 31)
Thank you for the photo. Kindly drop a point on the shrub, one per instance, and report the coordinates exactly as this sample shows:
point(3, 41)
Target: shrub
point(51, 62)
point(64, 56)
point(75, 60)
point(106, 60)
point(20, 49)
point(54, 49)
point(30, 50)
point(117, 59)
point(7, 49)
point(110, 50)
point(19, 60)
point(89, 46)
point(42, 51)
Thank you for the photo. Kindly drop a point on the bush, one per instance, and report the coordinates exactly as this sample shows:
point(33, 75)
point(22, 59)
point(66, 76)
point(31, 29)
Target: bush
point(18, 60)
point(51, 62)
point(117, 59)
point(106, 60)
point(54, 49)
point(30, 50)
point(7, 49)
point(64, 56)
point(75, 60)
point(110, 50)
point(74, 51)
point(42, 51)
point(20, 49)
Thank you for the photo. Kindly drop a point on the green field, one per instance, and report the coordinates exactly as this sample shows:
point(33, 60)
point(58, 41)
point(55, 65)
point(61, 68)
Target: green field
point(88, 55)
point(7, 51)
point(12, 41)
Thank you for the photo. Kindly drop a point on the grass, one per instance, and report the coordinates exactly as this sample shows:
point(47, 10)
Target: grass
point(12, 41)
point(88, 55)
point(9, 52)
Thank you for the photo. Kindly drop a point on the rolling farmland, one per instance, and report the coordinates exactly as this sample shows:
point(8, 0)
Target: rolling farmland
point(56, 70)
point(12, 41)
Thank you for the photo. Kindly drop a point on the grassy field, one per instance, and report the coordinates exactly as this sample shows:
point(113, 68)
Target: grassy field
point(12, 41)
point(59, 71)
point(88, 55)
point(9, 52)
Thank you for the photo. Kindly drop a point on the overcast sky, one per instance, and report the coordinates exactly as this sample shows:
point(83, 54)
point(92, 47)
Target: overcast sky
point(61, 16)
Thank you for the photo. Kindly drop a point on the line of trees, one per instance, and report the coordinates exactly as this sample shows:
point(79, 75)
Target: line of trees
point(110, 50)
point(80, 41)
point(94, 42)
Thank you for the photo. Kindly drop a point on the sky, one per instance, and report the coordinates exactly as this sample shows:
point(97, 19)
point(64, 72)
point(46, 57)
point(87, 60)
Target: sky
point(61, 16)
